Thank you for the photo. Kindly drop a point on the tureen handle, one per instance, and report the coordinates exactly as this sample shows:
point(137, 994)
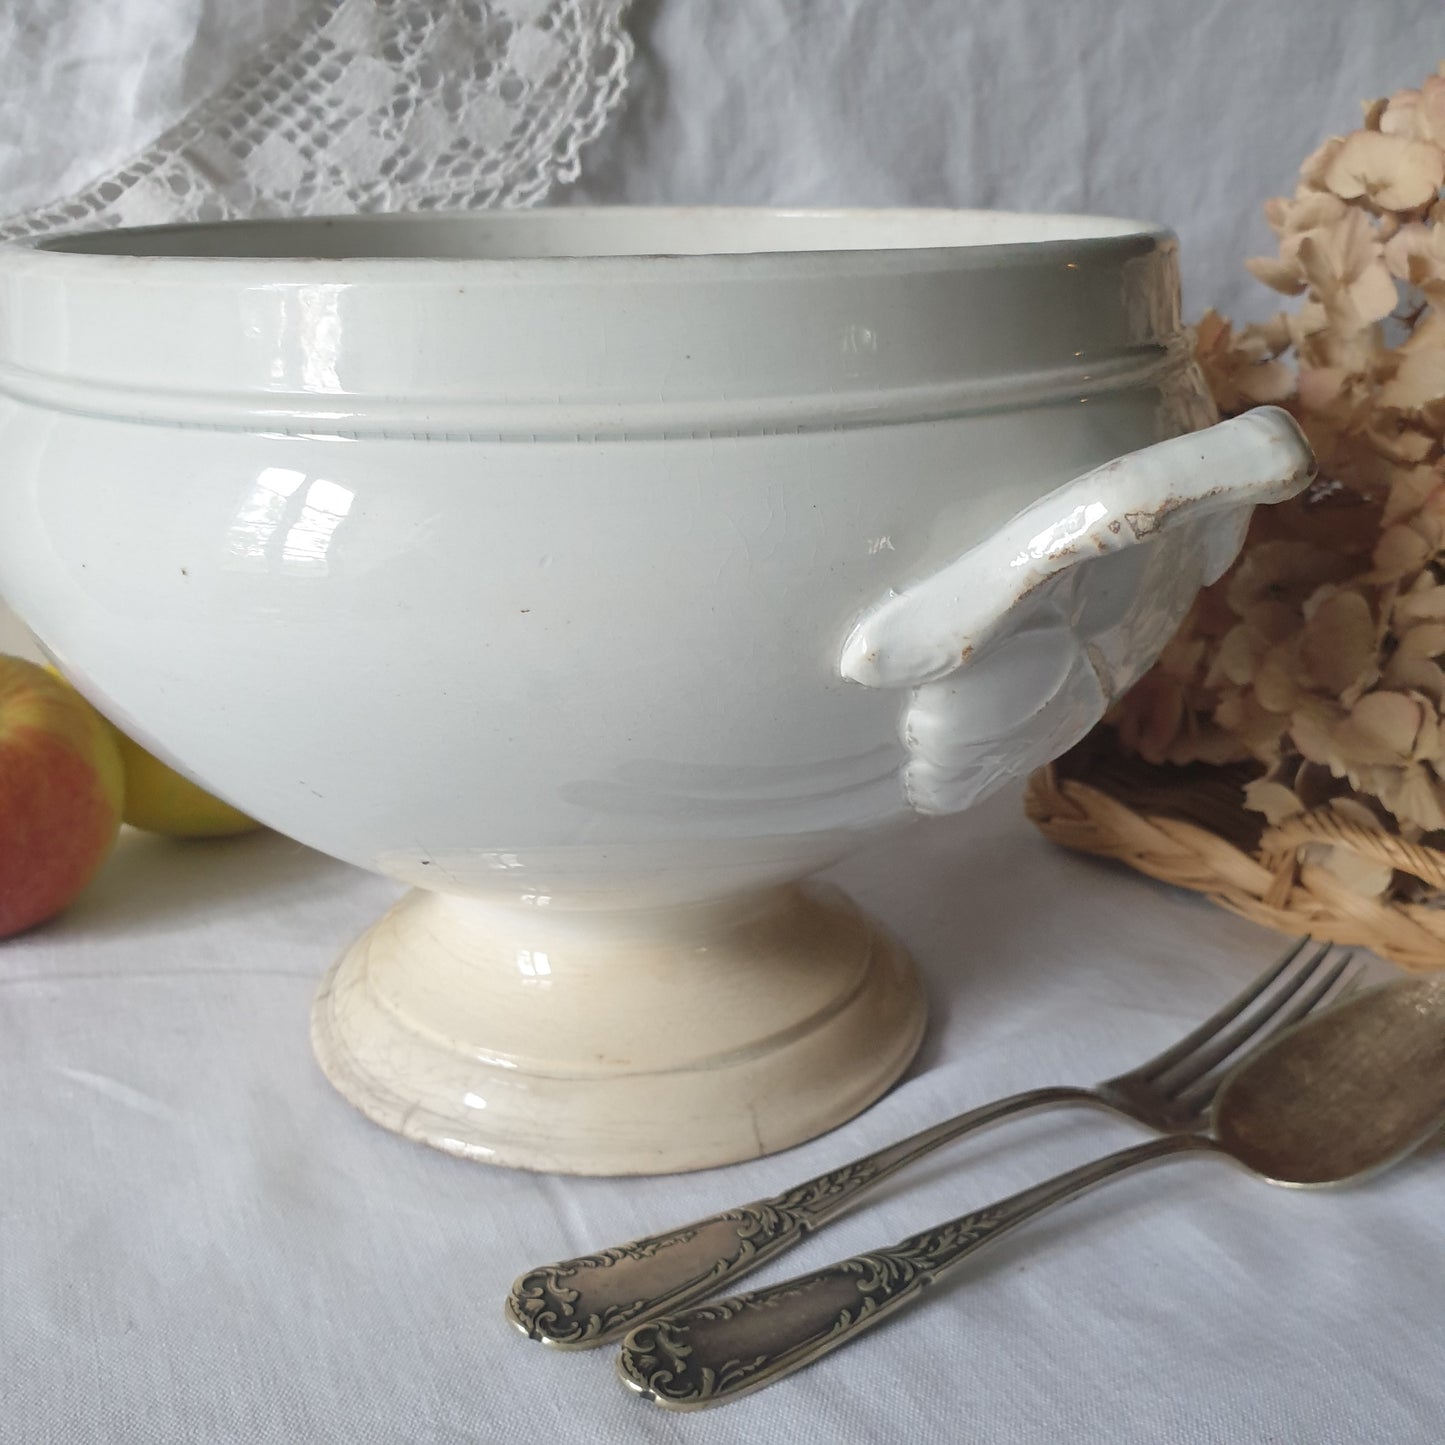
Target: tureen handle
point(1017, 648)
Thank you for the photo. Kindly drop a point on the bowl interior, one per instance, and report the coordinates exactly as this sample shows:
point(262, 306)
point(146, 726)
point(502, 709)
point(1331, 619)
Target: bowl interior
point(602, 231)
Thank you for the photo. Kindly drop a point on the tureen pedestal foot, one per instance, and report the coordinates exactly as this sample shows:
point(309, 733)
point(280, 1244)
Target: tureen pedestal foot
point(612, 1041)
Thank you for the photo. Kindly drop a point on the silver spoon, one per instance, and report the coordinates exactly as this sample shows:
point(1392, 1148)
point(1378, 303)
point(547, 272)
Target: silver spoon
point(1339, 1097)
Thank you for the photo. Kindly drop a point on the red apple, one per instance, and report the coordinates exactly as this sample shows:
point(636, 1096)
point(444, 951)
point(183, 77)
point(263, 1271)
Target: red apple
point(61, 790)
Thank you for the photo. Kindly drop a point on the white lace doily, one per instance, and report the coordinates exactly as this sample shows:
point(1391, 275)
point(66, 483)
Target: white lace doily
point(376, 105)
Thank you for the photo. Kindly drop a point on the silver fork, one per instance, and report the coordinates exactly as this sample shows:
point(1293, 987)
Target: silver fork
point(596, 1298)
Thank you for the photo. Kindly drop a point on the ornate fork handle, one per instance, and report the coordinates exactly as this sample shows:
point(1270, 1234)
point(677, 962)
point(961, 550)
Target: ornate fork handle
point(591, 1300)
point(719, 1351)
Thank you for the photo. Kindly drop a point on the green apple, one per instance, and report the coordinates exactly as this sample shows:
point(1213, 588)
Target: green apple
point(159, 800)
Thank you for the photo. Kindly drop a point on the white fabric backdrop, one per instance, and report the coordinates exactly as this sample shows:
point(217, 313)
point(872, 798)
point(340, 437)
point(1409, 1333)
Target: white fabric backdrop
point(200, 1242)
point(1185, 112)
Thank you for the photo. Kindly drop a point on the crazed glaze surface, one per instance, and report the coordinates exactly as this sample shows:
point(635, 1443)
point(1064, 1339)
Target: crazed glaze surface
point(612, 591)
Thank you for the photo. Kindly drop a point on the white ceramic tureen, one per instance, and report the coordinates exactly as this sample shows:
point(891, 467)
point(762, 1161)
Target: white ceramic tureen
point(602, 574)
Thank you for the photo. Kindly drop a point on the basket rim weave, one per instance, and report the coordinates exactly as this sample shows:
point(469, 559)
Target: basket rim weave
point(1130, 812)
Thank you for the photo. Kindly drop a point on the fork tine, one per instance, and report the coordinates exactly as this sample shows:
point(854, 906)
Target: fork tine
point(1257, 1019)
point(1199, 1090)
point(1352, 984)
point(1160, 1063)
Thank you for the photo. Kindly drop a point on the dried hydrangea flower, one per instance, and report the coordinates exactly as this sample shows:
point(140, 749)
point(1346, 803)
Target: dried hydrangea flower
point(1321, 654)
point(1393, 172)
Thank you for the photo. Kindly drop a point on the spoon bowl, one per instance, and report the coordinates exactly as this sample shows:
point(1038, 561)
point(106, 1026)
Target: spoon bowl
point(1343, 1096)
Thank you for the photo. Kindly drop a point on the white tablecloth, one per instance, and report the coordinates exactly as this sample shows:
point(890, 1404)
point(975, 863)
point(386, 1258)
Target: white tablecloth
point(199, 1241)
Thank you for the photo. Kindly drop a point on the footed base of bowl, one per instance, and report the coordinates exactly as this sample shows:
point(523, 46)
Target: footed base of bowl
point(618, 1041)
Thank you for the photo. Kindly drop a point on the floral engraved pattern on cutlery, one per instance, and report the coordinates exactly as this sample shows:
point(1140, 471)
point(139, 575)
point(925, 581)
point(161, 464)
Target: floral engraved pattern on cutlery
point(586, 1300)
point(545, 1305)
point(689, 1360)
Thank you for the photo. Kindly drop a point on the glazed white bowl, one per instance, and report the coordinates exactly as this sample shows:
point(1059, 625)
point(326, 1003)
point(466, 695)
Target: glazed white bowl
point(601, 574)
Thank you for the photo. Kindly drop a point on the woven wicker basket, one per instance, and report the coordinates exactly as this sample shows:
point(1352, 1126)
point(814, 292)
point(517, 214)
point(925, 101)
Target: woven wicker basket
point(1189, 826)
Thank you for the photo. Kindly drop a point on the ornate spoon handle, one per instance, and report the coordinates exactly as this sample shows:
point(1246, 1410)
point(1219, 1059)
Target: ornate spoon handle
point(717, 1352)
point(596, 1298)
